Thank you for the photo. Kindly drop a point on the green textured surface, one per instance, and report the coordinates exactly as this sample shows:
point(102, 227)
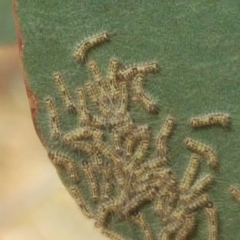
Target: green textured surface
point(197, 45)
point(7, 31)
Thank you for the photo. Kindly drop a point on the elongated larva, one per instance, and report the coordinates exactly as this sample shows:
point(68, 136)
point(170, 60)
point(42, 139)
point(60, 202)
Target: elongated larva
point(111, 80)
point(107, 180)
point(88, 43)
point(81, 133)
point(107, 152)
point(222, 119)
point(163, 136)
point(91, 179)
point(212, 215)
point(53, 118)
point(77, 195)
point(59, 158)
point(190, 173)
point(83, 113)
point(198, 203)
point(103, 212)
point(123, 98)
point(235, 192)
point(199, 187)
point(140, 220)
point(131, 71)
point(145, 100)
point(187, 228)
point(66, 97)
point(202, 149)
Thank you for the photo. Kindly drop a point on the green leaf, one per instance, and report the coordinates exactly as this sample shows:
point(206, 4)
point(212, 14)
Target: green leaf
point(196, 44)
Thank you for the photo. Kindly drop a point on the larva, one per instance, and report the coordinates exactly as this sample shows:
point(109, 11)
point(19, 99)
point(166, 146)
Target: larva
point(138, 201)
point(200, 186)
point(66, 97)
point(83, 147)
point(103, 212)
point(212, 215)
point(202, 149)
point(119, 173)
point(82, 132)
point(107, 152)
point(112, 235)
point(190, 173)
point(139, 154)
point(198, 203)
point(142, 68)
point(163, 136)
point(187, 228)
point(61, 159)
point(106, 181)
point(164, 236)
point(146, 101)
point(53, 117)
point(116, 137)
point(77, 195)
point(83, 113)
point(111, 77)
point(91, 179)
point(222, 119)
point(140, 220)
point(141, 132)
point(175, 221)
point(123, 98)
point(92, 93)
point(235, 192)
point(88, 43)
point(97, 76)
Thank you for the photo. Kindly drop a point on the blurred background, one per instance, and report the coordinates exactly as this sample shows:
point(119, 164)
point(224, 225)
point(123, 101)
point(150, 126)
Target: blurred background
point(33, 202)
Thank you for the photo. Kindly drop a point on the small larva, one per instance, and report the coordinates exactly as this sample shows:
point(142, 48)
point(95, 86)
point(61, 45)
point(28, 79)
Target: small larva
point(141, 132)
point(187, 228)
point(77, 195)
point(106, 181)
point(123, 98)
point(139, 154)
point(202, 149)
point(235, 192)
point(82, 132)
point(141, 96)
point(88, 43)
point(212, 216)
point(92, 93)
point(103, 212)
point(91, 179)
point(140, 220)
point(111, 77)
point(112, 235)
point(198, 203)
point(222, 119)
point(131, 71)
point(116, 137)
point(53, 117)
point(164, 236)
point(107, 152)
point(83, 113)
point(163, 136)
point(97, 76)
point(61, 159)
point(119, 174)
point(66, 97)
point(190, 173)
point(138, 201)
point(83, 147)
point(201, 185)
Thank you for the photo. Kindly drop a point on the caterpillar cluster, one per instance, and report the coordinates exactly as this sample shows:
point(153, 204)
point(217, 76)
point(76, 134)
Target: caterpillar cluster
point(121, 177)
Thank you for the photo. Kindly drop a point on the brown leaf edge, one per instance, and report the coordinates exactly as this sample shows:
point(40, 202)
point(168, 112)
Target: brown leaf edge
point(30, 94)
